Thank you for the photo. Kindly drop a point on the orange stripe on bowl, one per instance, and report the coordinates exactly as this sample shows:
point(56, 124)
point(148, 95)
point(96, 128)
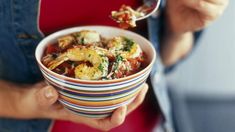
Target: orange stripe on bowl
point(97, 104)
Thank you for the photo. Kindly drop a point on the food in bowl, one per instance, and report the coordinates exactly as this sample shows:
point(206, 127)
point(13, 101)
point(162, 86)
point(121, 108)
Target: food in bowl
point(95, 98)
point(89, 56)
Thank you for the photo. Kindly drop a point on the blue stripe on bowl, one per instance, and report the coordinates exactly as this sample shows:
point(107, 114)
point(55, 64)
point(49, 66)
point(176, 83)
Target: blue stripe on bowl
point(89, 115)
point(93, 112)
point(96, 95)
point(99, 99)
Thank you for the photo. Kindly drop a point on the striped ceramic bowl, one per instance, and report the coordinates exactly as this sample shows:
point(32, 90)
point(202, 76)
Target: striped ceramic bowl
point(100, 98)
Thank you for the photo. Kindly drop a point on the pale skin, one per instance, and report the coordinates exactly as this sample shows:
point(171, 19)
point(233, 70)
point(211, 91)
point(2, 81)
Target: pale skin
point(183, 17)
point(39, 100)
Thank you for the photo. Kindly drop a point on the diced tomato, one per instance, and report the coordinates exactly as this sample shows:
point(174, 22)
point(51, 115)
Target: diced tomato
point(52, 48)
point(124, 25)
point(119, 74)
point(142, 57)
point(135, 64)
point(65, 64)
point(126, 17)
point(70, 72)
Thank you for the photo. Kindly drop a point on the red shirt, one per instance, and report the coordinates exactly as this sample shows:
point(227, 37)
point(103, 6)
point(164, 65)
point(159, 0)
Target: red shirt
point(59, 14)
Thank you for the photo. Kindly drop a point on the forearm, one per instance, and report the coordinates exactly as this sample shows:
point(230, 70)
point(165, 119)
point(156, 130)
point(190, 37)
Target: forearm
point(175, 46)
point(9, 94)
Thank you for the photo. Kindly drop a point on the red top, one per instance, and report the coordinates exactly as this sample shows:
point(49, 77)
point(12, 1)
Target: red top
point(59, 14)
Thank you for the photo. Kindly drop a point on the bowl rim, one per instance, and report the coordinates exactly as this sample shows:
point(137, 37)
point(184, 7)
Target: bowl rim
point(76, 80)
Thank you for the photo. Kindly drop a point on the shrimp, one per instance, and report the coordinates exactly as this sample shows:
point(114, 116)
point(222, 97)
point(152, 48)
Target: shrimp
point(98, 62)
point(125, 50)
point(125, 47)
point(65, 41)
point(87, 37)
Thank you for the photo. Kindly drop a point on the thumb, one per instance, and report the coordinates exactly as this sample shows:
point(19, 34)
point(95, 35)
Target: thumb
point(46, 96)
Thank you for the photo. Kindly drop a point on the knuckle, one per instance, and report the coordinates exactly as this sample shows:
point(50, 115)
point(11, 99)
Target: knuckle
point(118, 122)
point(213, 16)
point(201, 24)
point(200, 4)
point(226, 3)
point(219, 13)
point(139, 99)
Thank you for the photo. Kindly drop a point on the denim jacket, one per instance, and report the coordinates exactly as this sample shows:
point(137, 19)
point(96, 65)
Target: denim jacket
point(19, 36)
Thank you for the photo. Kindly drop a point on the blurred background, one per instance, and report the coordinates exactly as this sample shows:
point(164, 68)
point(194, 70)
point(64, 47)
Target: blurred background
point(202, 87)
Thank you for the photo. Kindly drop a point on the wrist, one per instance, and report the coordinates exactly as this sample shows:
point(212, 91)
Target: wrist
point(175, 46)
point(10, 94)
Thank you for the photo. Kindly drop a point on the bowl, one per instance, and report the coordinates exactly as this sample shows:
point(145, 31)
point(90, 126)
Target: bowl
point(99, 98)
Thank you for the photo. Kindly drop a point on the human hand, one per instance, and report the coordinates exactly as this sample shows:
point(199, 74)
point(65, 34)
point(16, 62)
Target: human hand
point(192, 15)
point(39, 101)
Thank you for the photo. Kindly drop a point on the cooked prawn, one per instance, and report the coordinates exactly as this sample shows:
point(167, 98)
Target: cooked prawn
point(94, 56)
point(87, 37)
point(125, 47)
point(65, 41)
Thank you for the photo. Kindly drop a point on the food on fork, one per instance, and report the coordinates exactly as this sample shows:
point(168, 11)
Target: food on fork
point(126, 16)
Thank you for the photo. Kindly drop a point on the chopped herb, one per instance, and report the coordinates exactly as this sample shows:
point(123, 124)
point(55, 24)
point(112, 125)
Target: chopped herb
point(77, 34)
point(82, 41)
point(128, 45)
point(89, 55)
point(100, 67)
point(102, 55)
point(119, 58)
point(54, 55)
point(104, 78)
point(115, 66)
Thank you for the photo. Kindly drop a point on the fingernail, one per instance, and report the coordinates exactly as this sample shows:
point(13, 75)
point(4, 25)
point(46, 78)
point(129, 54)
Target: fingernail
point(48, 93)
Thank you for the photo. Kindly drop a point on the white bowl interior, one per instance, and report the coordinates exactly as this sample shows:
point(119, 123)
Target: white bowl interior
point(105, 31)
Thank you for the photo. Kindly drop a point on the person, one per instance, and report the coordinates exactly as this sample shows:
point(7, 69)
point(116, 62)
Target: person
point(24, 94)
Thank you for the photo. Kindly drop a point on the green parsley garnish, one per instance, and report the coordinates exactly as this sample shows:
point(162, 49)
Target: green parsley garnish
point(101, 67)
point(128, 45)
point(119, 58)
point(82, 41)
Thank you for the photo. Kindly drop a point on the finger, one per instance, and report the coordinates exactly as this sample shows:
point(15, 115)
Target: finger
point(105, 124)
point(208, 8)
point(138, 100)
point(117, 118)
point(46, 96)
point(194, 3)
point(218, 2)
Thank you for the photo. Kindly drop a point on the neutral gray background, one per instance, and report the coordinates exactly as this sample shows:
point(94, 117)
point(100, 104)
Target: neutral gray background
point(210, 69)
